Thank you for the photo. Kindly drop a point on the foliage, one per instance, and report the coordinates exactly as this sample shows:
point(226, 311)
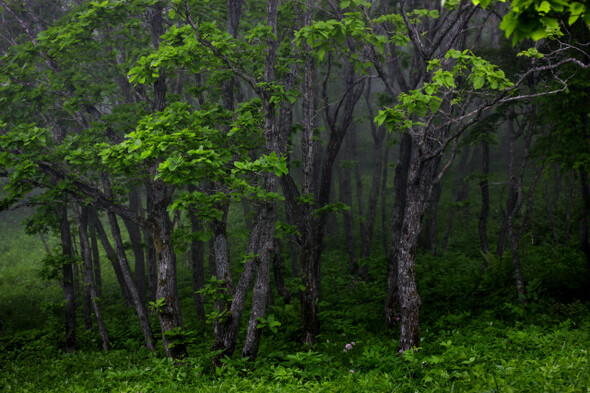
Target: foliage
point(538, 19)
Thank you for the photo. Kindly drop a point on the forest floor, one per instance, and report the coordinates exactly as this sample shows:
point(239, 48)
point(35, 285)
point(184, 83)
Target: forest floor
point(476, 336)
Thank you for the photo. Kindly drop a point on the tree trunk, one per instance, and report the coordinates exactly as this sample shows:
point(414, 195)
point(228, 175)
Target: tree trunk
point(568, 209)
point(222, 266)
point(485, 202)
point(550, 203)
point(585, 213)
point(277, 264)
point(345, 196)
point(262, 238)
point(136, 244)
point(384, 225)
point(68, 278)
point(166, 293)
point(399, 206)
point(419, 180)
point(95, 260)
point(265, 222)
point(89, 288)
point(512, 191)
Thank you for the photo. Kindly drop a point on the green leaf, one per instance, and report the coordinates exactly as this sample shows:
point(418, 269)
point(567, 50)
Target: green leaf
point(478, 82)
point(544, 7)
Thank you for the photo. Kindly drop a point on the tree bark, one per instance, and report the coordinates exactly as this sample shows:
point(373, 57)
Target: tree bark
point(169, 313)
point(96, 268)
point(419, 186)
point(140, 308)
point(400, 181)
point(89, 287)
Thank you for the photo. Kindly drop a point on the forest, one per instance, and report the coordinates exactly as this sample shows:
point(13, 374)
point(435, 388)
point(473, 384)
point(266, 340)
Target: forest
point(294, 196)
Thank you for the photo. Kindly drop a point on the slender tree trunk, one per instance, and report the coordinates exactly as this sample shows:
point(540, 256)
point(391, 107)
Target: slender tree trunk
point(87, 301)
point(568, 209)
point(277, 265)
point(384, 220)
point(89, 288)
point(96, 268)
point(136, 244)
point(512, 191)
point(378, 134)
point(345, 196)
point(585, 214)
point(550, 203)
point(68, 278)
point(485, 202)
point(399, 206)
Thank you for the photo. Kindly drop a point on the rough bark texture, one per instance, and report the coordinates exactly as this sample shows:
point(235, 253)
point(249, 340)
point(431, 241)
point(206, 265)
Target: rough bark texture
point(419, 179)
point(400, 181)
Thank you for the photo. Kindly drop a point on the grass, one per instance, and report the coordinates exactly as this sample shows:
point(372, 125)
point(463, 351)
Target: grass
point(475, 336)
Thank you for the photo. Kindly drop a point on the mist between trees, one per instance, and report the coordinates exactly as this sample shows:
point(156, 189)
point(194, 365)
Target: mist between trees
point(151, 132)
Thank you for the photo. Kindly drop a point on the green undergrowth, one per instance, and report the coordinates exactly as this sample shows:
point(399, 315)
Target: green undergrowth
point(476, 335)
point(481, 354)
